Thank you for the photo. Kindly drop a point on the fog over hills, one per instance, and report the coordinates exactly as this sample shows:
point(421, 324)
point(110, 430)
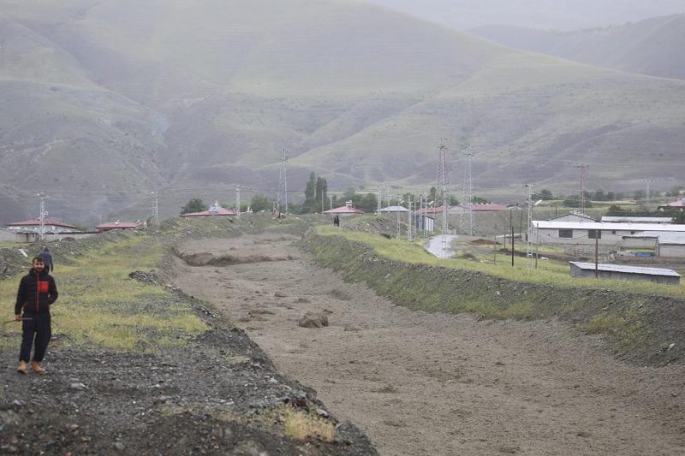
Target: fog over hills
point(538, 14)
point(654, 46)
point(104, 102)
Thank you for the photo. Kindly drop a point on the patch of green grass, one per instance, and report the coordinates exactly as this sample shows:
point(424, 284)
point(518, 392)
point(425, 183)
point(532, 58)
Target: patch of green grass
point(100, 306)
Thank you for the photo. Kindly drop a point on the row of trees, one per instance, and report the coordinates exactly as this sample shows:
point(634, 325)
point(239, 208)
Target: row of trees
point(316, 199)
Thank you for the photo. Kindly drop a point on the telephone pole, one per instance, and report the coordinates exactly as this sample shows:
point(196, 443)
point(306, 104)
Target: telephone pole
point(155, 209)
point(43, 213)
point(237, 200)
point(581, 201)
point(399, 227)
point(409, 221)
point(529, 248)
point(647, 181)
point(283, 181)
point(467, 222)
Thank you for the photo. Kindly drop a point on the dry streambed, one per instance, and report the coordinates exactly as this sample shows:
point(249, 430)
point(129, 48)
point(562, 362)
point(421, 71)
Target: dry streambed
point(436, 384)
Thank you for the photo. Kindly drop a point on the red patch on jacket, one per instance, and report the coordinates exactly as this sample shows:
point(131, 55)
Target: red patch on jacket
point(42, 287)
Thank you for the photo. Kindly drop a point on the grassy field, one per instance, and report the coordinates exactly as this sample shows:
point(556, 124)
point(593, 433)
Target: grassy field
point(100, 306)
point(548, 272)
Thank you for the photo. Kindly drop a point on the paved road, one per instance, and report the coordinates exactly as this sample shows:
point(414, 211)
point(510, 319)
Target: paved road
point(441, 246)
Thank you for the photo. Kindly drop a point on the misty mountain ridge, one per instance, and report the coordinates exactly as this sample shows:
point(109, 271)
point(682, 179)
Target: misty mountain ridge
point(105, 102)
point(654, 47)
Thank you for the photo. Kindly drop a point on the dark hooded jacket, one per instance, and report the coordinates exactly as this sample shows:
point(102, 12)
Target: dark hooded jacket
point(37, 291)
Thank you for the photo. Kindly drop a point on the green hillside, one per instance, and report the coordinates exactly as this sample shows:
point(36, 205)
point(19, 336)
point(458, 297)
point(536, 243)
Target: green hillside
point(107, 101)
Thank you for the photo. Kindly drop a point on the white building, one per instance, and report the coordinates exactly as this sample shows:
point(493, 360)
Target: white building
point(555, 232)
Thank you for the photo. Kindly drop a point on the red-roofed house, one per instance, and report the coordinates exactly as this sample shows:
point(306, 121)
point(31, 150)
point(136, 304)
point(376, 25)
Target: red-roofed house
point(674, 206)
point(118, 226)
point(50, 226)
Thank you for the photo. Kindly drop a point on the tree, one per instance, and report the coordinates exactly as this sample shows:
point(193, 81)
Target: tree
point(260, 202)
point(479, 200)
point(194, 205)
point(321, 194)
point(368, 203)
point(309, 204)
point(432, 196)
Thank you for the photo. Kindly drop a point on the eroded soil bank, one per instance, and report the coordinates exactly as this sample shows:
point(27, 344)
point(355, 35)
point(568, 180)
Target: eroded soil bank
point(438, 384)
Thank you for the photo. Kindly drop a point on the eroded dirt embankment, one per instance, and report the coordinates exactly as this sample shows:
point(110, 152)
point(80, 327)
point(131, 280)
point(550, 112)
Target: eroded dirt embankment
point(648, 329)
point(423, 383)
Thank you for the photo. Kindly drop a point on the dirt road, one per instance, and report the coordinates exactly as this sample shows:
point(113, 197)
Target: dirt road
point(436, 384)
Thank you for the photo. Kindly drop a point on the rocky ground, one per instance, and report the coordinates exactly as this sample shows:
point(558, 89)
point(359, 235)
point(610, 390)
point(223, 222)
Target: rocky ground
point(437, 384)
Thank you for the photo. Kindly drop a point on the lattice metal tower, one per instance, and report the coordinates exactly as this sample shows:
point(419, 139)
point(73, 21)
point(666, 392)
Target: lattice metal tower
point(581, 201)
point(237, 200)
point(467, 218)
point(529, 245)
point(283, 181)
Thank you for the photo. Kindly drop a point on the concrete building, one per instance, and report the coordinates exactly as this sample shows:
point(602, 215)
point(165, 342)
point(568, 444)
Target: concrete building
point(618, 272)
point(556, 232)
point(670, 246)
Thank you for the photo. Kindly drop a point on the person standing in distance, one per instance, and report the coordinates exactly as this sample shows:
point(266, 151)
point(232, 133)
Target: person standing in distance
point(37, 292)
point(47, 259)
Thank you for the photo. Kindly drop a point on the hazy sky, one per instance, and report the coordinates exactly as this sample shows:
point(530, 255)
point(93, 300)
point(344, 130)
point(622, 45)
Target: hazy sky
point(545, 14)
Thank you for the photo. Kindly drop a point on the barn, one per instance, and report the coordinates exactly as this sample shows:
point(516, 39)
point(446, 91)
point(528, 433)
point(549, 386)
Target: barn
point(620, 272)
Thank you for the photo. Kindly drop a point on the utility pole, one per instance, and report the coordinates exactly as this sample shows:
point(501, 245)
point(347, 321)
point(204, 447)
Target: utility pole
point(409, 221)
point(467, 222)
point(155, 209)
point(237, 200)
point(399, 228)
point(43, 213)
point(581, 201)
point(380, 200)
point(283, 181)
point(529, 250)
point(648, 181)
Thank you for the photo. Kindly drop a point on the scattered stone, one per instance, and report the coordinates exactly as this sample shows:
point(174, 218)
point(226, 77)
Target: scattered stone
point(119, 446)
point(313, 320)
point(78, 386)
point(279, 294)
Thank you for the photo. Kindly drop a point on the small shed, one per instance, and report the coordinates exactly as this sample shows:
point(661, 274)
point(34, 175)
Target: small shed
point(620, 272)
point(670, 246)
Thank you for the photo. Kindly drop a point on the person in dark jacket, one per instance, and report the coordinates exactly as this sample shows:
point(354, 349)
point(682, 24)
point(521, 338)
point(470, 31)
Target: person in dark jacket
point(47, 259)
point(37, 292)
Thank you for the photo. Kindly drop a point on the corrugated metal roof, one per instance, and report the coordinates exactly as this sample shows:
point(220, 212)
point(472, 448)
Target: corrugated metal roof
point(552, 225)
point(617, 219)
point(343, 210)
point(221, 212)
point(394, 209)
point(672, 239)
point(626, 269)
